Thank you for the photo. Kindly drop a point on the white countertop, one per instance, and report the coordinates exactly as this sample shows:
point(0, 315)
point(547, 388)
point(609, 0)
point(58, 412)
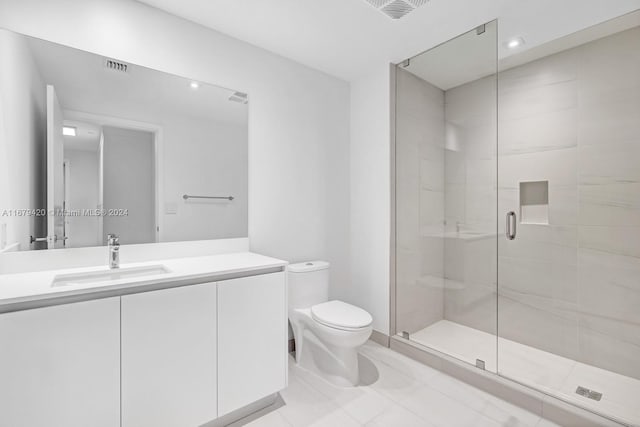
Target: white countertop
point(29, 287)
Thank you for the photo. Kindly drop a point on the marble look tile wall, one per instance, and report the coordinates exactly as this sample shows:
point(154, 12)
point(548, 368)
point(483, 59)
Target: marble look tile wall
point(470, 205)
point(538, 110)
point(572, 287)
point(609, 203)
point(446, 204)
point(420, 133)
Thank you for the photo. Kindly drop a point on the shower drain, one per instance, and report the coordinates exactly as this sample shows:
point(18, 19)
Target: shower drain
point(591, 394)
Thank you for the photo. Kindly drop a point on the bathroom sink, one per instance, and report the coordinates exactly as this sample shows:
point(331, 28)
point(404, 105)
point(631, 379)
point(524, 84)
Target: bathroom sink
point(102, 276)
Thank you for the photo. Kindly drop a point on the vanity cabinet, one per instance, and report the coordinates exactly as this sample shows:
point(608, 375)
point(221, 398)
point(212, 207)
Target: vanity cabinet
point(60, 365)
point(169, 357)
point(252, 339)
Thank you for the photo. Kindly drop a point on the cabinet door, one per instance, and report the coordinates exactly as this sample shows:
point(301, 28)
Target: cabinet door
point(169, 357)
point(60, 366)
point(252, 339)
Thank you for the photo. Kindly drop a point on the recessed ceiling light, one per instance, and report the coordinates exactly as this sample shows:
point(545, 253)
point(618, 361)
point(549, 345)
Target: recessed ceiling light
point(68, 131)
point(194, 85)
point(514, 43)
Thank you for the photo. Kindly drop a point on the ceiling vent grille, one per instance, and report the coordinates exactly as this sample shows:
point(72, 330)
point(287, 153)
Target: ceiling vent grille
point(378, 3)
point(239, 97)
point(396, 9)
point(113, 65)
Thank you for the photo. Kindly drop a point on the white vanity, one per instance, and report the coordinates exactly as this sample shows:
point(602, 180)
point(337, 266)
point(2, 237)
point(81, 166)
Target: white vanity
point(194, 340)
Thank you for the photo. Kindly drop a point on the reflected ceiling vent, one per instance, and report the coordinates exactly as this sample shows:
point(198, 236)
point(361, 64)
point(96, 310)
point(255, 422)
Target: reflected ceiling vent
point(239, 97)
point(396, 9)
point(113, 65)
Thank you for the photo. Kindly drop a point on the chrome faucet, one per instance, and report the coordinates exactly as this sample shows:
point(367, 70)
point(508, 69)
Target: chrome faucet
point(114, 250)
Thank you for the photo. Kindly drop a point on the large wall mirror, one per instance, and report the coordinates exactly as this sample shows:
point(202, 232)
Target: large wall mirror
point(90, 146)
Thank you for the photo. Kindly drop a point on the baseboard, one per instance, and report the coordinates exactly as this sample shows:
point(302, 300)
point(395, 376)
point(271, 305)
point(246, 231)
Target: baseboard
point(248, 413)
point(549, 407)
point(380, 338)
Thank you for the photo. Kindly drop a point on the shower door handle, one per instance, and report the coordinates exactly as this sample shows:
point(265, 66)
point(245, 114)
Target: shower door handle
point(510, 227)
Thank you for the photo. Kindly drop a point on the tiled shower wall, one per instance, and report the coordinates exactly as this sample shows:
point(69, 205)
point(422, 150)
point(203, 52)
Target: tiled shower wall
point(420, 133)
point(572, 287)
point(445, 181)
point(470, 205)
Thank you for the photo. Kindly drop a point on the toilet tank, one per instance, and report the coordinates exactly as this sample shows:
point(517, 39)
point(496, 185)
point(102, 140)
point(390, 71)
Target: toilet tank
point(308, 284)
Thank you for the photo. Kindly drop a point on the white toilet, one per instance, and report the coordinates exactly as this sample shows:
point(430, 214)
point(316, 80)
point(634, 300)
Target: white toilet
point(327, 333)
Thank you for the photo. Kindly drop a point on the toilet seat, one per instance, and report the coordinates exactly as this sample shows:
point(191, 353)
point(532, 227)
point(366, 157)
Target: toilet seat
point(340, 315)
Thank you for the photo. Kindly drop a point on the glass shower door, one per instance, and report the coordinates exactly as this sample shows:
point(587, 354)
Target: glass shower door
point(569, 199)
point(446, 198)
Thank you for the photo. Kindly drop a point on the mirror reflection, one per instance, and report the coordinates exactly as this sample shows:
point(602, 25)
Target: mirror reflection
point(91, 146)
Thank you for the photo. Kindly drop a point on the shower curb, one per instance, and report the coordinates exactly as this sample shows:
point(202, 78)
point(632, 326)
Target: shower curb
point(543, 405)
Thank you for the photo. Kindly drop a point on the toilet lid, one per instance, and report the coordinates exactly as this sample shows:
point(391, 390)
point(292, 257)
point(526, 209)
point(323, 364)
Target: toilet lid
point(338, 314)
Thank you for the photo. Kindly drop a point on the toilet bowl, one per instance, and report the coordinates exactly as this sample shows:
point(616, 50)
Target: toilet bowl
point(327, 333)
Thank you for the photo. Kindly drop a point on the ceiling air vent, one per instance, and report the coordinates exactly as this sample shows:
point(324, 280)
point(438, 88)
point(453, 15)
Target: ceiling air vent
point(396, 9)
point(112, 64)
point(378, 3)
point(239, 97)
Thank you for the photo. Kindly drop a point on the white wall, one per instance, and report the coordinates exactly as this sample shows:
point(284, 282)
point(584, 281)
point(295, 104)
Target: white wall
point(22, 167)
point(370, 193)
point(298, 117)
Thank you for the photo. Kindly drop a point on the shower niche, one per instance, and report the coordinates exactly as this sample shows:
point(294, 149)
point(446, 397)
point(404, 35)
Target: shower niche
point(534, 202)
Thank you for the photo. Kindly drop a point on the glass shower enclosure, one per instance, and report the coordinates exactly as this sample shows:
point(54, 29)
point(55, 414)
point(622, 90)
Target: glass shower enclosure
point(517, 210)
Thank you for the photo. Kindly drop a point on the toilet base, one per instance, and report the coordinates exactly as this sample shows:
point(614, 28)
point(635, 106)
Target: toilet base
point(328, 352)
point(337, 365)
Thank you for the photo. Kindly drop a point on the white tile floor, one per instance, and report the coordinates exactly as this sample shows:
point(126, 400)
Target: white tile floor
point(548, 372)
point(399, 393)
